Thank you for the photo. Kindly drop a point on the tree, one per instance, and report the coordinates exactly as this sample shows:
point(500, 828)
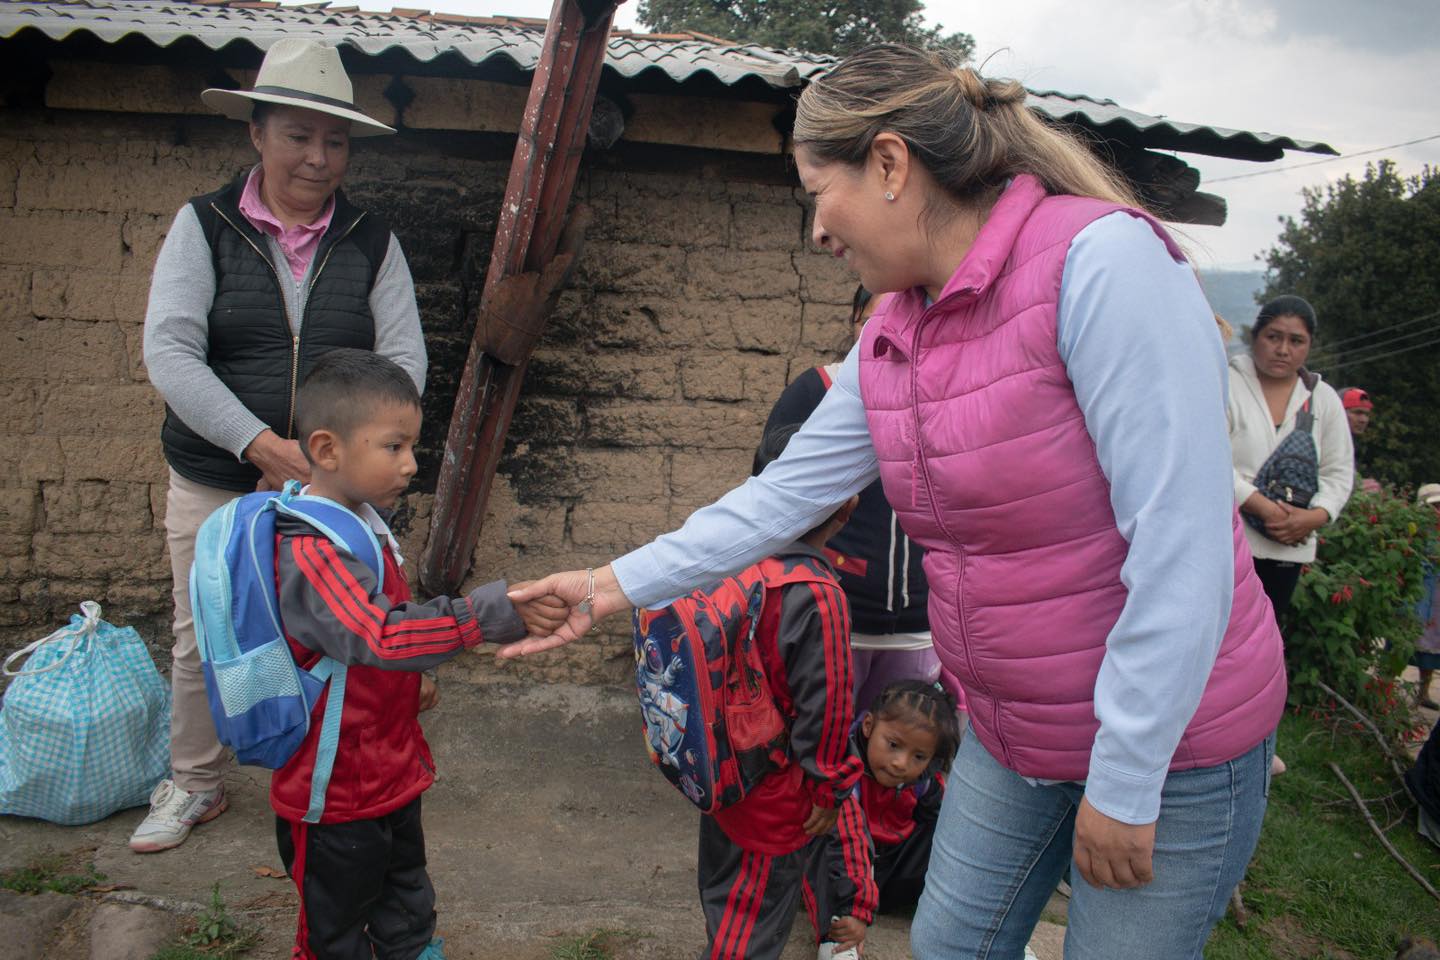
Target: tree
point(1366, 254)
point(835, 27)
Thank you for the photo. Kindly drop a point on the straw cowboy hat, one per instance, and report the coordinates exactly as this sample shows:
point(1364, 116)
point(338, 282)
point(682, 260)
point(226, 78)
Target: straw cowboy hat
point(299, 73)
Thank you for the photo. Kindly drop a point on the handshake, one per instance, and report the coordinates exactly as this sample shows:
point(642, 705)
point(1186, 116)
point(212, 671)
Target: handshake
point(563, 607)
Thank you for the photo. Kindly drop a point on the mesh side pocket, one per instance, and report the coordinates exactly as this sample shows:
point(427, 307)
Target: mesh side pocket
point(262, 674)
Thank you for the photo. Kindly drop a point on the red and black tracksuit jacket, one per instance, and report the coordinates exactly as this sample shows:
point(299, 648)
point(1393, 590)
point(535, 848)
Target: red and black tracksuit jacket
point(898, 827)
point(361, 870)
point(753, 855)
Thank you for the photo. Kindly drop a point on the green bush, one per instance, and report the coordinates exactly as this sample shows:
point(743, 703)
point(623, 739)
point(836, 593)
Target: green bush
point(1352, 622)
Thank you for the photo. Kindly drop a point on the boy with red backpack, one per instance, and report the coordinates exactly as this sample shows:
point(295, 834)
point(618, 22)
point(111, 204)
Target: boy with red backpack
point(778, 765)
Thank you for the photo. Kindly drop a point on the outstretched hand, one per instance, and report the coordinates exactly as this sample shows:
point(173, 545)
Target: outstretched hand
point(570, 589)
point(542, 615)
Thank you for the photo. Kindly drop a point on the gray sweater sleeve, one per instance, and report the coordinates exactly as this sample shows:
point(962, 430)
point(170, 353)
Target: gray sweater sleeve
point(177, 331)
point(397, 319)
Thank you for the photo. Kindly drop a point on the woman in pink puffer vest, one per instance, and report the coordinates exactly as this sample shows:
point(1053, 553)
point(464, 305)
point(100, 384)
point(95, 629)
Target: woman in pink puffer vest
point(1043, 399)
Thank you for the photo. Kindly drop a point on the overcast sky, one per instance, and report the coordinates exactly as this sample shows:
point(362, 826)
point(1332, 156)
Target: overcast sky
point(1356, 74)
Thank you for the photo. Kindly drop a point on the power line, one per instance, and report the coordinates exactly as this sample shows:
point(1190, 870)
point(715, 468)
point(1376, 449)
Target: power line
point(1359, 353)
point(1316, 163)
point(1382, 331)
point(1382, 356)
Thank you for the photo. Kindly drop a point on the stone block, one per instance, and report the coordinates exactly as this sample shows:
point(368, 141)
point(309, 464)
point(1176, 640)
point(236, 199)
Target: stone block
point(73, 294)
point(60, 240)
point(98, 507)
point(749, 275)
point(764, 326)
point(629, 268)
point(616, 526)
point(621, 475)
point(41, 458)
point(683, 221)
point(705, 123)
point(56, 350)
point(573, 373)
point(446, 103)
point(31, 920)
point(19, 509)
point(545, 420)
point(702, 477)
point(9, 176)
point(777, 225)
point(82, 556)
point(826, 330)
point(114, 410)
point(15, 555)
point(134, 335)
point(132, 458)
point(733, 376)
point(20, 406)
point(719, 426)
point(121, 931)
point(142, 235)
point(824, 278)
point(14, 293)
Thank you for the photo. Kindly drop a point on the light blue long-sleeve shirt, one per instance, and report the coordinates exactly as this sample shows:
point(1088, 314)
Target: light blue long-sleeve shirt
point(1140, 345)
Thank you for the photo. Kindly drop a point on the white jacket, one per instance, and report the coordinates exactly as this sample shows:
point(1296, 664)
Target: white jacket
point(1253, 437)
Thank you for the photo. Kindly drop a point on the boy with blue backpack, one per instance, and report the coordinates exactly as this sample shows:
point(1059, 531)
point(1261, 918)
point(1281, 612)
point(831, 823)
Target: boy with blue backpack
point(351, 763)
point(745, 691)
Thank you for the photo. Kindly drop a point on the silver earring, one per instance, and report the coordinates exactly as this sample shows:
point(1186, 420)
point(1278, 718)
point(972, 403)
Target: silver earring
point(889, 195)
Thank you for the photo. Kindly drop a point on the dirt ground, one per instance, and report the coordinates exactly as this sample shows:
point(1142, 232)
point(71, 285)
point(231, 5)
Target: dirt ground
point(548, 823)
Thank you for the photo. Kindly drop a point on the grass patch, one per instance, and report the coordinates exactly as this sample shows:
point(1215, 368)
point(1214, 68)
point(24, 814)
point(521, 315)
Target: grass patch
point(212, 935)
point(595, 945)
point(1320, 884)
point(47, 873)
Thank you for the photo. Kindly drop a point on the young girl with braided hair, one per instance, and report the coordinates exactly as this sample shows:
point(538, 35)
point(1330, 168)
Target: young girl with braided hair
point(907, 737)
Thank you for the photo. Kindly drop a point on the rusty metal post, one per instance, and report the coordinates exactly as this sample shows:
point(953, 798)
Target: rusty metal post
point(512, 314)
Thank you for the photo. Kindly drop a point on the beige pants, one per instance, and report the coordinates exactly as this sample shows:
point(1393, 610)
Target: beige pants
point(196, 756)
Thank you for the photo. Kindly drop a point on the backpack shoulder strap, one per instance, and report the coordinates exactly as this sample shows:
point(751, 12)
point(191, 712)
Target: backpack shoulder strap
point(338, 524)
point(345, 529)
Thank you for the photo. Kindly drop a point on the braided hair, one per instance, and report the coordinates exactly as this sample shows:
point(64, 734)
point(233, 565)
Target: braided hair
point(922, 704)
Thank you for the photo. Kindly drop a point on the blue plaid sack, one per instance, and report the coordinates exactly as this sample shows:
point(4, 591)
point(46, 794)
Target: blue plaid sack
point(85, 724)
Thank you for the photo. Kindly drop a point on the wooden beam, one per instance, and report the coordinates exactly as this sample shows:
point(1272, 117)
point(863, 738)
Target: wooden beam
point(527, 237)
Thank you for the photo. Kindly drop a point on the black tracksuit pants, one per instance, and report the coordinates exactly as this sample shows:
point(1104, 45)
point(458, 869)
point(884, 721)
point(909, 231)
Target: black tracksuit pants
point(363, 887)
point(750, 899)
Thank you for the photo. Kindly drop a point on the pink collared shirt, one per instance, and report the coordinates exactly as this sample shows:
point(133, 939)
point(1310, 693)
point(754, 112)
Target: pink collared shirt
point(299, 242)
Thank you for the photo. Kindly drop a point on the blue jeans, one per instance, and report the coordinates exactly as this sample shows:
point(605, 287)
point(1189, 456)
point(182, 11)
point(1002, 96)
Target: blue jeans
point(1002, 845)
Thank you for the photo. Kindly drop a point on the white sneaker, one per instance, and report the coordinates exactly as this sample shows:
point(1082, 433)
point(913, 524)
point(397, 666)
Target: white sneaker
point(173, 812)
point(828, 952)
point(1030, 954)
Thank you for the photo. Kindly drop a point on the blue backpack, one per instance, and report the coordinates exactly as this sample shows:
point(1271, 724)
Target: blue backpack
point(260, 699)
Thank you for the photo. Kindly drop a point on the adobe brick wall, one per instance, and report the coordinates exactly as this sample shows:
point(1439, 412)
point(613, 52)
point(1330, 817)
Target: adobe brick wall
point(697, 299)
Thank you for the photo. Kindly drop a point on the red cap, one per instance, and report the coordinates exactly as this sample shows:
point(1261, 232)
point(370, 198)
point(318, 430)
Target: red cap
point(1353, 398)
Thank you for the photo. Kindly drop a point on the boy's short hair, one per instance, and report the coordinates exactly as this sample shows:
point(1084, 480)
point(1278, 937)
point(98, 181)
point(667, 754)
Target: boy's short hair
point(343, 388)
point(772, 444)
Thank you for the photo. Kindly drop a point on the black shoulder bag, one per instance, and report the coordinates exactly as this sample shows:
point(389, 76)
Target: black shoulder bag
point(1291, 474)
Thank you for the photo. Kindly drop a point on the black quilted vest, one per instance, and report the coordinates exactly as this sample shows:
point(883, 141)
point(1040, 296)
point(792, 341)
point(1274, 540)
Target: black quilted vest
point(251, 348)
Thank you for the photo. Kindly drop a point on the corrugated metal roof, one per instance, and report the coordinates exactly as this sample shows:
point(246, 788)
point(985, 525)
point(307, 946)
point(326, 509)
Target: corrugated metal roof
point(681, 57)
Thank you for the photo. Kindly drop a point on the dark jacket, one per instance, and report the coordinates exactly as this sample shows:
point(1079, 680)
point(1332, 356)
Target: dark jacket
point(803, 639)
point(879, 567)
point(251, 347)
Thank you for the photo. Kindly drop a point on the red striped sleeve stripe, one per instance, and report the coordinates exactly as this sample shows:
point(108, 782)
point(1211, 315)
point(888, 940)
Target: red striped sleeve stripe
point(348, 600)
point(834, 735)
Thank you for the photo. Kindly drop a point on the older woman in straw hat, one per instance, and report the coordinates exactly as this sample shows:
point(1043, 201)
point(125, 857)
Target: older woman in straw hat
point(254, 282)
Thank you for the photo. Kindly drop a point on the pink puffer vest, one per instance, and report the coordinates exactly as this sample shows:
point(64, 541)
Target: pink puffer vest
point(985, 456)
